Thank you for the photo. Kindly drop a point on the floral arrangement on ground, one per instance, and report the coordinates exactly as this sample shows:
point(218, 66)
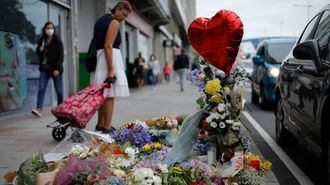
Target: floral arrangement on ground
point(137, 153)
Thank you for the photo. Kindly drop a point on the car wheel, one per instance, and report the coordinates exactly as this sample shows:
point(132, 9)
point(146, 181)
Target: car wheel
point(254, 96)
point(281, 132)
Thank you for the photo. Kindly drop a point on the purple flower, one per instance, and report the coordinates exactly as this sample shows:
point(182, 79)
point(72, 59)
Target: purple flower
point(195, 78)
point(199, 165)
point(201, 146)
point(137, 135)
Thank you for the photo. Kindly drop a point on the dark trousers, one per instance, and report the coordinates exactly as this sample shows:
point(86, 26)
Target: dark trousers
point(43, 82)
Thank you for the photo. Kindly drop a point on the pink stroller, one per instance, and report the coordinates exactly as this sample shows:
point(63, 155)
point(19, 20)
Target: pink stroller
point(78, 109)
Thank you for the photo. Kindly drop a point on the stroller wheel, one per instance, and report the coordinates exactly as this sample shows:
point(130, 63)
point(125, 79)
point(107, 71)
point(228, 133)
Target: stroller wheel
point(58, 133)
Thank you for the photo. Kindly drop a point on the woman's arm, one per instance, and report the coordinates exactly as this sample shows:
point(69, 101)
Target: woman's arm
point(60, 55)
point(109, 40)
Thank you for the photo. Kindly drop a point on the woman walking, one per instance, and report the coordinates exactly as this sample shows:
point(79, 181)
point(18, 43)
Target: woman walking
point(50, 52)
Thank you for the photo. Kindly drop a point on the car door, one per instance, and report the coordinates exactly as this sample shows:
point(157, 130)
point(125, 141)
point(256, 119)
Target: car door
point(310, 84)
point(291, 87)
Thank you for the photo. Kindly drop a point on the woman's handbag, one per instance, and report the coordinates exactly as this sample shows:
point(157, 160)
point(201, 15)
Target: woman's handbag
point(91, 57)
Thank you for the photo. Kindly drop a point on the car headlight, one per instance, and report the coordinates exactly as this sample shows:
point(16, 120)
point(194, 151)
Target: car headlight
point(273, 72)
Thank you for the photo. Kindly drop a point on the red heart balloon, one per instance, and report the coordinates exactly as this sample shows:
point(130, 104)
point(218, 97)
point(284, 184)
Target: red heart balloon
point(217, 39)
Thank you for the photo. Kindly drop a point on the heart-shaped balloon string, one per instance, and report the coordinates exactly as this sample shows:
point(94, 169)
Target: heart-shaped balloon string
point(217, 39)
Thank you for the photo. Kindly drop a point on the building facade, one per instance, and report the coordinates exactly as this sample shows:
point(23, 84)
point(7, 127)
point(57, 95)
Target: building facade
point(154, 27)
point(21, 25)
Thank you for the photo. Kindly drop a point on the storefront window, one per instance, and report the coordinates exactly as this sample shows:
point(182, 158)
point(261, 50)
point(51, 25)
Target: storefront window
point(20, 28)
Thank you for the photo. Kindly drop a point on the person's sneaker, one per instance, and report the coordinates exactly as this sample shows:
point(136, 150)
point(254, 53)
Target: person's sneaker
point(98, 128)
point(37, 113)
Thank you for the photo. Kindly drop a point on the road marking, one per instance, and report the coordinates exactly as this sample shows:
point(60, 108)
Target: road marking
point(295, 170)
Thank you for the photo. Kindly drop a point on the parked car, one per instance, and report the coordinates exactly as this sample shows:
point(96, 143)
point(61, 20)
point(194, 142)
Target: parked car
point(303, 91)
point(270, 54)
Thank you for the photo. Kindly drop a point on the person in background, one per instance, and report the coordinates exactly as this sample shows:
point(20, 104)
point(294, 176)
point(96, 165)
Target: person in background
point(167, 71)
point(195, 64)
point(109, 61)
point(182, 65)
point(154, 67)
point(50, 52)
point(139, 66)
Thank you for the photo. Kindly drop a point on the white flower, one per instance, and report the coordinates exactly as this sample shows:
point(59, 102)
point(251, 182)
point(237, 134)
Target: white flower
point(223, 115)
point(215, 115)
point(82, 155)
point(163, 168)
point(144, 175)
point(222, 125)
point(130, 152)
point(236, 126)
point(229, 121)
point(209, 118)
point(157, 180)
point(214, 124)
point(221, 107)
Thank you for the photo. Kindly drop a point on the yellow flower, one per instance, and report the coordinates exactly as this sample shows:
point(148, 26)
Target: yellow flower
point(266, 166)
point(213, 87)
point(177, 168)
point(157, 146)
point(217, 98)
point(146, 147)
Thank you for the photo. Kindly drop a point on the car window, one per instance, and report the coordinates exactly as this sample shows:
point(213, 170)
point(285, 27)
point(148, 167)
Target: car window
point(261, 51)
point(309, 30)
point(322, 34)
point(278, 51)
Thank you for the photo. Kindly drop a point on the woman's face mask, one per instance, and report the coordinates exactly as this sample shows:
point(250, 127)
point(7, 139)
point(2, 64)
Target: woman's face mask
point(49, 31)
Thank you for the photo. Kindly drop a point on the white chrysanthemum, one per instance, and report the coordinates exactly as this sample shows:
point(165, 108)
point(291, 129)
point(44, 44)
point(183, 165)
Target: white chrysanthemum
point(222, 125)
point(215, 115)
point(130, 152)
point(221, 107)
point(157, 180)
point(214, 124)
point(229, 121)
point(223, 115)
point(236, 126)
point(209, 118)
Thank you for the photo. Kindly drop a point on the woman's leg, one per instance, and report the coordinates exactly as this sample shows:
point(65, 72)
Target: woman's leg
point(43, 82)
point(108, 110)
point(99, 125)
point(58, 88)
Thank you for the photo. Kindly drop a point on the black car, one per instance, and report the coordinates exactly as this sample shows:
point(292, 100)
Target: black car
point(303, 90)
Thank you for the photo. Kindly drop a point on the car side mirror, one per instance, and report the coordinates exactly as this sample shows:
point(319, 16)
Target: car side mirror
point(308, 50)
point(257, 60)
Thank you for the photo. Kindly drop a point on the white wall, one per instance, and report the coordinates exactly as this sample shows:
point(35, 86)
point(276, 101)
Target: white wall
point(86, 18)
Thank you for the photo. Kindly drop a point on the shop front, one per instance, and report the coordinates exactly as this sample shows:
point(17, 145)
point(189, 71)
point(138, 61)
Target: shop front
point(20, 29)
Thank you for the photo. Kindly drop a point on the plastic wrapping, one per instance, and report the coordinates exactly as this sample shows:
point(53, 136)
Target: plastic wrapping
point(79, 137)
point(187, 135)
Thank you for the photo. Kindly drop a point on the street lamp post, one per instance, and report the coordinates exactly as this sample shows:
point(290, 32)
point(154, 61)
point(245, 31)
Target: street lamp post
point(308, 6)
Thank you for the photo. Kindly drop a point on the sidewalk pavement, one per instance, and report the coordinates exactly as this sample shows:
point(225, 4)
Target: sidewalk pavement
point(23, 134)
